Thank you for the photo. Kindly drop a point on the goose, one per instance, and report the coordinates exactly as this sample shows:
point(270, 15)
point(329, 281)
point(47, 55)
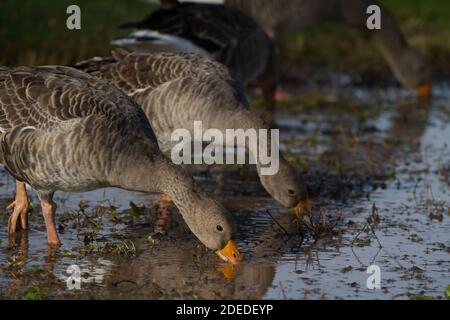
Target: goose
point(64, 130)
point(176, 89)
point(218, 32)
point(278, 17)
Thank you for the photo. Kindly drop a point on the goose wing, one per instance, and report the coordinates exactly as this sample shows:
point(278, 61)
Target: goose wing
point(229, 35)
point(211, 27)
point(132, 72)
point(45, 97)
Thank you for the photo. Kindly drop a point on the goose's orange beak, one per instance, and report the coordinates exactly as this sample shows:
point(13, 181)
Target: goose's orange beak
point(230, 253)
point(303, 206)
point(424, 90)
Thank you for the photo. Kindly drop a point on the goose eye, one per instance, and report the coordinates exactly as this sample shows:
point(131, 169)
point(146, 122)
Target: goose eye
point(292, 192)
point(219, 228)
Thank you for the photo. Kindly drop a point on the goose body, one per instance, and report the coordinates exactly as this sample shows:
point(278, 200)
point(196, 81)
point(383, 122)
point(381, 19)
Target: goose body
point(53, 119)
point(225, 34)
point(174, 90)
point(278, 17)
point(62, 129)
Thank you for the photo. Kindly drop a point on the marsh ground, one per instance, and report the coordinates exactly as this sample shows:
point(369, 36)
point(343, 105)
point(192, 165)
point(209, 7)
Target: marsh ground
point(375, 160)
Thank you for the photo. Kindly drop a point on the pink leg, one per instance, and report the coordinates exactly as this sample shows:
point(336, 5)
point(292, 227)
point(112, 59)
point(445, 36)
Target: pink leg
point(48, 211)
point(163, 219)
point(20, 206)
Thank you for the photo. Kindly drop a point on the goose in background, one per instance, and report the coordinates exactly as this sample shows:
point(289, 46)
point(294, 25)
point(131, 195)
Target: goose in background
point(278, 17)
point(62, 129)
point(225, 34)
point(174, 90)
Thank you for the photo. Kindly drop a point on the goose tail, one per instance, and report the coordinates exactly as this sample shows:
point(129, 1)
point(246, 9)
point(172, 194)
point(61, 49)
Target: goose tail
point(154, 41)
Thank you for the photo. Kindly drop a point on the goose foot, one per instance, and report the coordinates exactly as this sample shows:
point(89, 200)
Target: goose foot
point(48, 211)
point(20, 208)
point(163, 218)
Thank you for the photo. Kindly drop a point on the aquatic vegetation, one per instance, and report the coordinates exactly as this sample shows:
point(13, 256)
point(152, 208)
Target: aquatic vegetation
point(423, 297)
point(123, 248)
point(152, 241)
point(34, 293)
point(317, 222)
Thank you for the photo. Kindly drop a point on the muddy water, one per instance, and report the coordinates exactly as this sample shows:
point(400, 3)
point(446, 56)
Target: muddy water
point(375, 159)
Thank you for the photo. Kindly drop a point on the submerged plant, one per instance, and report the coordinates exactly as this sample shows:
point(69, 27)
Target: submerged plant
point(318, 223)
point(423, 297)
point(124, 248)
point(34, 293)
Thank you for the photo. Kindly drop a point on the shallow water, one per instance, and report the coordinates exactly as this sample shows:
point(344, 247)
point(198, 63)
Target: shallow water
point(383, 157)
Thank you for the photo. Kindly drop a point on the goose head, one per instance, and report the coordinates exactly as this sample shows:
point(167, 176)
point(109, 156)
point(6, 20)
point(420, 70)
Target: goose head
point(205, 217)
point(286, 186)
point(211, 224)
point(414, 72)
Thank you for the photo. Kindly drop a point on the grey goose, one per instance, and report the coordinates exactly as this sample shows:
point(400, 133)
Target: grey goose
point(278, 17)
point(176, 89)
point(62, 129)
point(222, 33)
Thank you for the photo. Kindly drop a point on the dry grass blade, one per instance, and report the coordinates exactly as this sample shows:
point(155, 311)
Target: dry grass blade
point(279, 225)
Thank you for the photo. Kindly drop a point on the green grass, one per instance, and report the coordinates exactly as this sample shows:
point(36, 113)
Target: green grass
point(336, 47)
point(420, 297)
point(34, 293)
point(430, 11)
point(33, 32)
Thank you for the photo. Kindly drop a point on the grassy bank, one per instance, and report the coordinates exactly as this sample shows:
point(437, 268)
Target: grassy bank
point(334, 47)
point(33, 32)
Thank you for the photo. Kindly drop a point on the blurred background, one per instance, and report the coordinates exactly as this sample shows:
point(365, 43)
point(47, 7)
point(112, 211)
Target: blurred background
point(34, 33)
